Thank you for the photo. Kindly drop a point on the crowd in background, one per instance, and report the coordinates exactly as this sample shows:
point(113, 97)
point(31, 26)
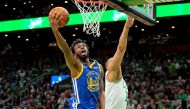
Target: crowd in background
point(18, 73)
point(155, 80)
point(158, 80)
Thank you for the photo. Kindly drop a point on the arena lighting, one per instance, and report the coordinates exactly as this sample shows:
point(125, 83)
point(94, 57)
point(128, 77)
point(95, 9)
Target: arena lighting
point(75, 19)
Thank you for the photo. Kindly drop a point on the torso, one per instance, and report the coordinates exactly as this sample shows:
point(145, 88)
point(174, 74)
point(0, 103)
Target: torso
point(116, 94)
point(86, 87)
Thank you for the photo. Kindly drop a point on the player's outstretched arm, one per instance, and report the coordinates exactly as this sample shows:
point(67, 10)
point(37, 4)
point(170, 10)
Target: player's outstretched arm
point(72, 63)
point(116, 60)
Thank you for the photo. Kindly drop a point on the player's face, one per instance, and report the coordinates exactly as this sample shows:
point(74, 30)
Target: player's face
point(81, 51)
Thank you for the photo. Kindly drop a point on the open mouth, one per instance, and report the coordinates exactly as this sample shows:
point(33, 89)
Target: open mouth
point(83, 52)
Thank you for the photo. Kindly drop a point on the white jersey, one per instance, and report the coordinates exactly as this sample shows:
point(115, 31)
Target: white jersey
point(116, 94)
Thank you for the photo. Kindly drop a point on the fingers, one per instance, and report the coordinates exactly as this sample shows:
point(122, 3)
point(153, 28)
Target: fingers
point(131, 19)
point(55, 18)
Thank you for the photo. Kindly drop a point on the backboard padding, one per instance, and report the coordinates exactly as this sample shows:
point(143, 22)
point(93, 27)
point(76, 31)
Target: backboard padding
point(138, 13)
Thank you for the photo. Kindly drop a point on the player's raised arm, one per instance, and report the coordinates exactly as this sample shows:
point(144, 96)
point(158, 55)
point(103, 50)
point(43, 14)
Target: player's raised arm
point(72, 63)
point(115, 64)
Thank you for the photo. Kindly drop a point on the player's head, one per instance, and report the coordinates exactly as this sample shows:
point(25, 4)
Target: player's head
point(80, 49)
point(108, 63)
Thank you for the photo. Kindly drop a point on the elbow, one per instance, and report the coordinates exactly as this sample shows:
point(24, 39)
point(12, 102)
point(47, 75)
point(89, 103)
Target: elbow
point(121, 48)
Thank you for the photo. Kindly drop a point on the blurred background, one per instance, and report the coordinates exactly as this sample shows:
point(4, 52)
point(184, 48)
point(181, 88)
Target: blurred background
point(33, 73)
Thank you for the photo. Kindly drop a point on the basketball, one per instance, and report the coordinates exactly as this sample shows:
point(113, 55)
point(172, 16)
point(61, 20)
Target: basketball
point(64, 15)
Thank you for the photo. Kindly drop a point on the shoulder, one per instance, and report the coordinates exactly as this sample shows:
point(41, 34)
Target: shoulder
point(99, 65)
point(101, 69)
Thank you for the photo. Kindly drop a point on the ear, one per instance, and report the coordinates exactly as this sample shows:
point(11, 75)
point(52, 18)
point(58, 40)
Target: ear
point(75, 55)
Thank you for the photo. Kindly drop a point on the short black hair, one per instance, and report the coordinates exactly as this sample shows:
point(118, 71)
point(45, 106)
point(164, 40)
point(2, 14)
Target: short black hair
point(75, 43)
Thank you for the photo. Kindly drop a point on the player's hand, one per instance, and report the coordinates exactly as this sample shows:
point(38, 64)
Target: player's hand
point(54, 21)
point(130, 21)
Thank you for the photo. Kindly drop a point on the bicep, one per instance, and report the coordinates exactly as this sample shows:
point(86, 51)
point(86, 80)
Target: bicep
point(115, 67)
point(102, 95)
point(101, 78)
point(117, 59)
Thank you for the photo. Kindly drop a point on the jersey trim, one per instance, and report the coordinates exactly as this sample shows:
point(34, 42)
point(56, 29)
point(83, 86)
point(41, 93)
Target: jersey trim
point(75, 87)
point(92, 64)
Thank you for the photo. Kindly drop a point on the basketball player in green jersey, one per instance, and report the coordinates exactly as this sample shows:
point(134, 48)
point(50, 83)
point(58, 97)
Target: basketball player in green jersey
point(116, 92)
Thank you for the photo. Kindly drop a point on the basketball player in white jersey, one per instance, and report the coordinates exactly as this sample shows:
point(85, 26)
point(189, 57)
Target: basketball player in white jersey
point(116, 92)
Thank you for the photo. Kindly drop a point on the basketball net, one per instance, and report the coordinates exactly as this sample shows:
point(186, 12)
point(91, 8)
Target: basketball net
point(91, 14)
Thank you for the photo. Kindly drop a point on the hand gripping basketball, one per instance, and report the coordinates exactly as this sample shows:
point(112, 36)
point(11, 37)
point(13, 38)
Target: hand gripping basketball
point(59, 15)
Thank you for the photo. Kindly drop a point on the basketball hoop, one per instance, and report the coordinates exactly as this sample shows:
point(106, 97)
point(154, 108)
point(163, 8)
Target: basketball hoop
point(91, 11)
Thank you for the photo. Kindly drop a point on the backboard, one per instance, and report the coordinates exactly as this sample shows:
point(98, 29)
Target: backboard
point(134, 8)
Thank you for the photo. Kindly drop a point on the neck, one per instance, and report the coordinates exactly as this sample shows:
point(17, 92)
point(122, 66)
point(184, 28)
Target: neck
point(86, 61)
